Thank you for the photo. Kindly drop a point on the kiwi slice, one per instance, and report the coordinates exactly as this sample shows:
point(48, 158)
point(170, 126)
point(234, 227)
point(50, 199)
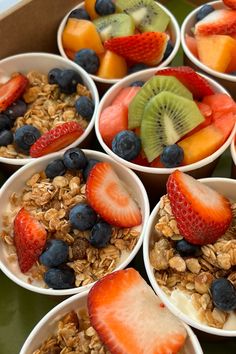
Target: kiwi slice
point(147, 14)
point(116, 25)
point(151, 88)
point(167, 117)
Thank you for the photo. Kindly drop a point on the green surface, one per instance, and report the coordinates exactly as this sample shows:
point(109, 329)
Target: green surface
point(20, 309)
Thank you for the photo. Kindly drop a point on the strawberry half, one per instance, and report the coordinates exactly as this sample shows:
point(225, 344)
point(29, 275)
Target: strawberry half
point(56, 139)
point(108, 197)
point(29, 237)
point(190, 79)
point(202, 214)
point(230, 3)
point(12, 90)
point(130, 319)
point(217, 22)
point(147, 47)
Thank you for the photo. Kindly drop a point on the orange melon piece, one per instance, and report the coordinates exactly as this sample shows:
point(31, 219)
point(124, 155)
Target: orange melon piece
point(89, 6)
point(126, 95)
point(112, 66)
point(80, 34)
point(69, 53)
point(191, 43)
point(215, 51)
point(232, 65)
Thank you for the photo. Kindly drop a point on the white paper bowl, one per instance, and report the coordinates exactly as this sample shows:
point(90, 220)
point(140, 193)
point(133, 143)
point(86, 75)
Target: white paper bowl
point(225, 186)
point(106, 83)
point(47, 326)
point(154, 178)
point(16, 183)
point(226, 80)
point(43, 62)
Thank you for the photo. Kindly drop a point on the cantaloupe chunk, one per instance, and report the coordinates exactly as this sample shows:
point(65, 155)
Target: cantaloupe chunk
point(232, 65)
point(215, 51)
point(112, 66)
point(80, 34)
point(89, 6)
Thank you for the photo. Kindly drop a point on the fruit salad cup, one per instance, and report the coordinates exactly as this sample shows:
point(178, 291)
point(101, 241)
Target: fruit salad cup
point(77, 319)
point(108, 40)
point(46, 104)
point(209, 41)
point(142, 125)
point(233, 155)
point(189, 252)
point(69, 219)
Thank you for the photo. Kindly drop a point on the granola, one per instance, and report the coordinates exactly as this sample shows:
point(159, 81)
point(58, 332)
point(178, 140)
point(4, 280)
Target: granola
point(192, 275)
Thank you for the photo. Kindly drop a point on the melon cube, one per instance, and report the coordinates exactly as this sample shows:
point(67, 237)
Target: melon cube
point(112, 66)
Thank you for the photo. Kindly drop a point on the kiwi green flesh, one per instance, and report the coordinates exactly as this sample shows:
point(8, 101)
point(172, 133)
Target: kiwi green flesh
point(150, 89)
point(167, 118)
point(147, 14)
point(115, 25)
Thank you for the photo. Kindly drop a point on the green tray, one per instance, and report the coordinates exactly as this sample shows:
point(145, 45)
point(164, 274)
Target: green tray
point(20, 310)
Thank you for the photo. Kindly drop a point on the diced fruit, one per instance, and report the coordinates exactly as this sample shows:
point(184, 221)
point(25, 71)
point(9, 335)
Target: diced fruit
point(157, 163)
point(79, 34)
point(105, 7)
point(109, 198)
point(29, 238)
point(112, 66)
point(205, 109)
point(202, 214)
point(191, 43)
point(232, 64)
point(113, 119)
point(88, 60)
point(70, 53)
point(126, 95)
point(90, 8)
point(12, 90)
point(127, 314)
point(222, 21)
point(220, 104)
point(190, 79)
point(141, 160)
point(126, 144)
point(230, 3)
point(147, 48)
point(56, 139)
point(204, 11)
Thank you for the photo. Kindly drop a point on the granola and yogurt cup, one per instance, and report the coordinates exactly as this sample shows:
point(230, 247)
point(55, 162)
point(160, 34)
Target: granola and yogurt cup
point(50, 201)
point(183, 282)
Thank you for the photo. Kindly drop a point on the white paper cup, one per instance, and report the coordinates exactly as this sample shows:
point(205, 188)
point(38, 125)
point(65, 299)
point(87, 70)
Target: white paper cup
point(104, 84)
point(226, 80)
point(224, 186)
point(16, 183)
point(48, 324)
point(153, 178)
point(43, 63)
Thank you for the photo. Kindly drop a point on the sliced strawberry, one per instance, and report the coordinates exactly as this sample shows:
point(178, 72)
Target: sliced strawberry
point(56, 139)
point(147, 47)
point(29, 237)
point(12, 90)
point(130, 319)
point(189, 78)
point(109, 198)
point(230, 3)
point(202, 214)
point(221, 21)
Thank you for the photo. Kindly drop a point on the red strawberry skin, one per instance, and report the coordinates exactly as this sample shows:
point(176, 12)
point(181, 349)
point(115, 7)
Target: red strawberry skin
point(230, 3)
point(190, 79)
point(147, 48)
point(29, 237)
point(56, 139)
point(222, 21)
point(12, 90)
point(202, 214)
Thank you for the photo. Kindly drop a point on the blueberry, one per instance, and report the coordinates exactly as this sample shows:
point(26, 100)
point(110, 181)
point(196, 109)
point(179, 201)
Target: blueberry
point(100, 234)
point(88, 60)
point(75, 159)
point(5, 122)
point(126, 144)
point(232, 73)
point(82, 217)
point(186, 249)
point(204, 11)
point(25, 137)
point(172, 155)
point(68, 80)
point(53, 75)
point(137, 67)
point(89, 166)
point(80, 14)
point(16, 109)
point(55, 168)
point(6, 137)
point(223, 294)
point(105, 7)
point(137, 83)
point(85, 107)
point(55, 253)
point(59, 278)
point(168, 50)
